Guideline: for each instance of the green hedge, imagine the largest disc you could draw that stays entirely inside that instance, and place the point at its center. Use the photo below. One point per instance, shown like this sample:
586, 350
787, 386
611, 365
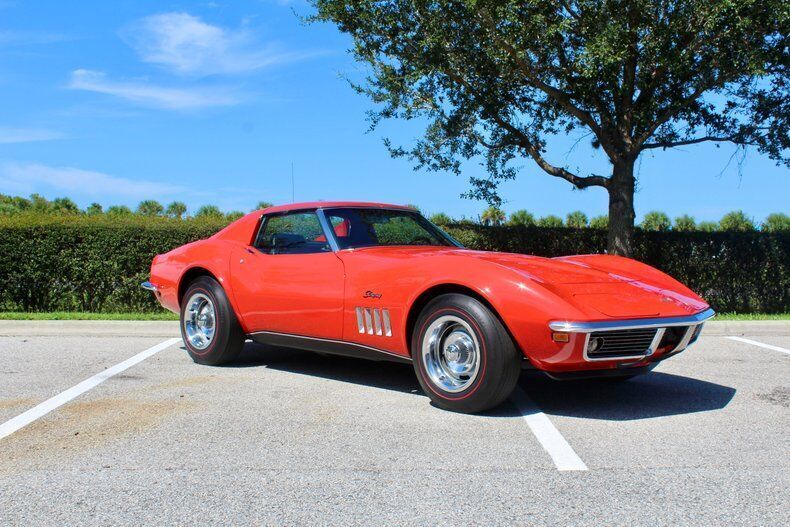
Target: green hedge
85, 264
97, 264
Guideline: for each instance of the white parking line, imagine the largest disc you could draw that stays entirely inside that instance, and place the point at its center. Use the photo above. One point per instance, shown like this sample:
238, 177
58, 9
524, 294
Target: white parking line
24, 419
547, 434
760, 344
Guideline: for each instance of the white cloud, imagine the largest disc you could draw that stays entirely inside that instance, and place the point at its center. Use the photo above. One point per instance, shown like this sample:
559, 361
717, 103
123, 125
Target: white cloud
152, 95
186, 45
27, 135
25, 178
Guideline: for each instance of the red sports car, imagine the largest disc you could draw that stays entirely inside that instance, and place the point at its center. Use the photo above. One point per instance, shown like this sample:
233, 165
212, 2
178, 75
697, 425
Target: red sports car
381, 282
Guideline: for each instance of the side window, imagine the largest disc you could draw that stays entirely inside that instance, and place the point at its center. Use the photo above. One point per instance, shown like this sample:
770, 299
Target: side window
295, 233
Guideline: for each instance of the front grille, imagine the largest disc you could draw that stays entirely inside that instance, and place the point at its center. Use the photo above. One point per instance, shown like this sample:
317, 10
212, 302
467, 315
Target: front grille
620, 343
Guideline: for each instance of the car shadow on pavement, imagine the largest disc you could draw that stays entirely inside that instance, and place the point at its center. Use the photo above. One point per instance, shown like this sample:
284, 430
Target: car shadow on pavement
654, 394
377, 374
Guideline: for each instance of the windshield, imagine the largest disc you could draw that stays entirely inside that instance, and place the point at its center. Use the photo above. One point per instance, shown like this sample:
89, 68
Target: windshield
377, 227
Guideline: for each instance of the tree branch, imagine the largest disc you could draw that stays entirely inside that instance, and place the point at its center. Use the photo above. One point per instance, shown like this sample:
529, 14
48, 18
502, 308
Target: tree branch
670, 111
562, 98
569, 9
685, 142
580, 182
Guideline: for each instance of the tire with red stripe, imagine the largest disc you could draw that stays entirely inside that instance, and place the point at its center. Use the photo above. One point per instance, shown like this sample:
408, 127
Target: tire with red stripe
464, 358
209, 327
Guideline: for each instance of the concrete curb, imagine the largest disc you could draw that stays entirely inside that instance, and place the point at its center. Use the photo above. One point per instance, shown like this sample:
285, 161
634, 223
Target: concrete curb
89, 328
752, 327
125, 328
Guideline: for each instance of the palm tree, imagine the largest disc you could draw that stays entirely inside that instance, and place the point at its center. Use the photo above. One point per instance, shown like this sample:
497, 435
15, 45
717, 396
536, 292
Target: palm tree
94, 209
176, 210
655, 221
550, 221
521, 217
492, 216
209, 211
576, 219
150, 207
440, 218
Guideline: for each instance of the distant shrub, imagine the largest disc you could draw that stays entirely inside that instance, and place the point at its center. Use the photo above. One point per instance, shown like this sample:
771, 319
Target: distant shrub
736, 221
576, 220
776, 222
521, 217
685, 223
550, 221
600, 222
440, 218
655, 221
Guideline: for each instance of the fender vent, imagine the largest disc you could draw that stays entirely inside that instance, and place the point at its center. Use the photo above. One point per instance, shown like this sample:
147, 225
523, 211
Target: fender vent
374, 321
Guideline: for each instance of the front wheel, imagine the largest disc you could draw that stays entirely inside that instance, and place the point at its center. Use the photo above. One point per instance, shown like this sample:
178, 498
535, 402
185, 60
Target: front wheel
211, 333
464, 357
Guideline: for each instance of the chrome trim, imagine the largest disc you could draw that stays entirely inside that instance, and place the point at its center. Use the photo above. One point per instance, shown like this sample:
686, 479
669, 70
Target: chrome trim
200, 321
149, 286
369, 321
566, 326
610, 359
345, 343
385, 313
360, 320
377, 321
329, 232
684, 341
656, 340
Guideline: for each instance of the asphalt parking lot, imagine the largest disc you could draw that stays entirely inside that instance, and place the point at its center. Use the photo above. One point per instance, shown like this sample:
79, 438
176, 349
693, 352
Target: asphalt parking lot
286, 437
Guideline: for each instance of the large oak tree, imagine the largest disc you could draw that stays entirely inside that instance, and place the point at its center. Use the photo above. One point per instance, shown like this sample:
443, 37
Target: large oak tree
495, 79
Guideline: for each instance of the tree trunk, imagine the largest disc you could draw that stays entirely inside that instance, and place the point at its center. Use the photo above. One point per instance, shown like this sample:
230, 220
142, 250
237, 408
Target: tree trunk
621, 209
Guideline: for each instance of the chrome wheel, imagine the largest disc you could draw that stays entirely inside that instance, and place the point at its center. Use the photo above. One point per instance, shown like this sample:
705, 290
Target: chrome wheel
451, 353
199, 321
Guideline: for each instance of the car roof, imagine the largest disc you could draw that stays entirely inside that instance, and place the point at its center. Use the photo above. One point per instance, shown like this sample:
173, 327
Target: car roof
241, 229
331, 205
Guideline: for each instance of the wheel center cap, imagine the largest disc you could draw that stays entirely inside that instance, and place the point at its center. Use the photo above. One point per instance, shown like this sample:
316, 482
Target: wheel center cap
452, 353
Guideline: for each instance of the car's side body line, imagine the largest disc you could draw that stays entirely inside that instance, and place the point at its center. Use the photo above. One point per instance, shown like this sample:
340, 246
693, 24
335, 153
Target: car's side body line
322, 345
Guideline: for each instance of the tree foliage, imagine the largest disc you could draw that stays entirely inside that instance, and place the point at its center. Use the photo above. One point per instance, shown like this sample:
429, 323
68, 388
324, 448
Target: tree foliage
656, 221
495, 79
209, 211
736, 221
776, 222
176, 209
600, 222
521, 217
550, 221
576, 219
150, 207
685, 223
440, 218
492, 216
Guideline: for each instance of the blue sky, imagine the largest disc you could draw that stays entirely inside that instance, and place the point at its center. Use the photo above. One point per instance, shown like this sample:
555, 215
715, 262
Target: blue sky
211, 102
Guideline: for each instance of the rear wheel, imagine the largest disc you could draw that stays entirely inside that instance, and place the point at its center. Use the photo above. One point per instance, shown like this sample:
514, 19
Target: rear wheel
209, 327
464, 358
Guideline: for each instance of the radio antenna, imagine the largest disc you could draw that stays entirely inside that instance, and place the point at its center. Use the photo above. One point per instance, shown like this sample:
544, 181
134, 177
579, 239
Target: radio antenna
293, 199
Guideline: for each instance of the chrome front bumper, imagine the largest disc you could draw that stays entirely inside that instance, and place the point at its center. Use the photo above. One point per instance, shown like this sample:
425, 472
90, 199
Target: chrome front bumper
618, 329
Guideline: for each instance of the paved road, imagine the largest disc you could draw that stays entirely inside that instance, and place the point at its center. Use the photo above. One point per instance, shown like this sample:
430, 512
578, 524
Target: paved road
286, 437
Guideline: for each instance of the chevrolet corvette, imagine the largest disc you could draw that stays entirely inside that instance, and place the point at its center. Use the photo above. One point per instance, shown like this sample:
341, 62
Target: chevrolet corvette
381, 282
